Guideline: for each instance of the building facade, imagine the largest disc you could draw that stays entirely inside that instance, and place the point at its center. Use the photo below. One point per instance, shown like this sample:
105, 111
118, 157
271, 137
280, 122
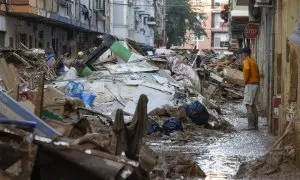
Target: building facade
238, 19
277, 51
64, 25
215, 27
133, 19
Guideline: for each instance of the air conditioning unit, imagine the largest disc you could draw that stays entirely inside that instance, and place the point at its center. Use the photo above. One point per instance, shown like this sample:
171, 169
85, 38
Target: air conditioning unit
263, 3
224, 44
151, 21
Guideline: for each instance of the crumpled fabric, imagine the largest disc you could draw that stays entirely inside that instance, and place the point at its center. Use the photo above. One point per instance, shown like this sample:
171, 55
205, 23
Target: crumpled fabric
181, 69
120, 132
137, 129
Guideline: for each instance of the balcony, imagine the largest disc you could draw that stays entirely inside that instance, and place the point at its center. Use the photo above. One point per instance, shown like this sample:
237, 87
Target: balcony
220, 48
26, 8
218, 6
47, 11
151, 21
22, 2
242, 2
222, 27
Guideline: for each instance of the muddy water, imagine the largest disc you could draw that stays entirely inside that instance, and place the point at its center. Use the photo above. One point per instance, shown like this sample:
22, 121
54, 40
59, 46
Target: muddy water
220, 154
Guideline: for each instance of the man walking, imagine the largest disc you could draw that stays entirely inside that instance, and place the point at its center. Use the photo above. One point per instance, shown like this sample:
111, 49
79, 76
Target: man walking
251, 78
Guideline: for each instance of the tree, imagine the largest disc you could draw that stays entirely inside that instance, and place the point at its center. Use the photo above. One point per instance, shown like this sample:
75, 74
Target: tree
180, 19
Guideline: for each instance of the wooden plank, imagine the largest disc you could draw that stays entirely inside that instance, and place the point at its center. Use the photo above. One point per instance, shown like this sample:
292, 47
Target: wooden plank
6, 74
14, 73
16, 77
24, 47
13, 110
216, 77
4, 78
40, 95
20, 59
15, 93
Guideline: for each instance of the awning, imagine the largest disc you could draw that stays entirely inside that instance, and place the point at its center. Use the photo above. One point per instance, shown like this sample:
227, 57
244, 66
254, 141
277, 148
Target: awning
239, 13
242, 2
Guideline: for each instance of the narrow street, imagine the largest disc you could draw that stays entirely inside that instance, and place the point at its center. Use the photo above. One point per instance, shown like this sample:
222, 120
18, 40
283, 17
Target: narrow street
219, 154
149, 89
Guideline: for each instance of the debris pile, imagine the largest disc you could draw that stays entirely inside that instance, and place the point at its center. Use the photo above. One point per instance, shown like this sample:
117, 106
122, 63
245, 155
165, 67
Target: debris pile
26, 63
222, 76
278, 164
92, 112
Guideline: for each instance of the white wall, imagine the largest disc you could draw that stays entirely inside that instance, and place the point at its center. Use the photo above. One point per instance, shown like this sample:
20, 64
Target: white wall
129, 22
119, 18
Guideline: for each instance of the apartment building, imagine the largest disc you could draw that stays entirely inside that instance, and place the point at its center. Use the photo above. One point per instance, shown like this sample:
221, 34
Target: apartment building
133, 19
215, 27
64, 25
238, 19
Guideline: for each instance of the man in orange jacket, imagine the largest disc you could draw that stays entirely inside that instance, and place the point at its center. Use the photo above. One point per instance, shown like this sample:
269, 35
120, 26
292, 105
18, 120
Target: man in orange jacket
252, 79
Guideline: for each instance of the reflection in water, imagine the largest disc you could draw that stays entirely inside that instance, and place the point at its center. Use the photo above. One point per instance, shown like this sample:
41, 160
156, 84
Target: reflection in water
219, 155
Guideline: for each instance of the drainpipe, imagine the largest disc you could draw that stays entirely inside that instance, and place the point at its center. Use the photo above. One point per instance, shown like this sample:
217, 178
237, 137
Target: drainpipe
90, 16
164, 20
271, 64
6, 8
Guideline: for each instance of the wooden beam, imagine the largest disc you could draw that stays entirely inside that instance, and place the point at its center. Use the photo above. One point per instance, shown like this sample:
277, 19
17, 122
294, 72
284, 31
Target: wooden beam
40, 95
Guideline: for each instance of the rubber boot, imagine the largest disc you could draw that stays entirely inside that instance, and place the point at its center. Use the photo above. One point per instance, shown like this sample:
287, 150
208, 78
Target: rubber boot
251, 117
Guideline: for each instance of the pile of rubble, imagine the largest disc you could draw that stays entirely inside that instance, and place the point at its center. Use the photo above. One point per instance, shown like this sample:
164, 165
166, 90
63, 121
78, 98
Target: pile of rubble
221, 74
277, 164
92, 115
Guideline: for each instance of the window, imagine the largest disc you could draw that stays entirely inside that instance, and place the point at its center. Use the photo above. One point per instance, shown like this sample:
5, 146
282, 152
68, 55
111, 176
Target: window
69, 9
217, 42
30, 42
41, 45
217, 4
41, 34
23, 39
217, 20
99, 4
195, 38
11, 42
119, 13
220, 39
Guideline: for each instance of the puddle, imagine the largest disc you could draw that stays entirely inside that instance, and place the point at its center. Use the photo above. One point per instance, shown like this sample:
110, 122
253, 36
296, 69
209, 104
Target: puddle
219, 155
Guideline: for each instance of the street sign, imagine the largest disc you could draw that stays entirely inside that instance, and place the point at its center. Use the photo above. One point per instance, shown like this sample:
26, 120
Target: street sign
251, 30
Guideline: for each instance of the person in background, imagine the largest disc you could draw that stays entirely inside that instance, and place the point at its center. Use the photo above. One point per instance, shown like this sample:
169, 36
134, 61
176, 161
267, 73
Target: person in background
252, 79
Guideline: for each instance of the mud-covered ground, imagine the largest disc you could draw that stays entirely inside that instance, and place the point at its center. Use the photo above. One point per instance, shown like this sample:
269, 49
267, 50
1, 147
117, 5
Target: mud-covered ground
218, 154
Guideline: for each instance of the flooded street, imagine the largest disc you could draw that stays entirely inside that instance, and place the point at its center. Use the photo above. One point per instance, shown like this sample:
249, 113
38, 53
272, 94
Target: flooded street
218, 154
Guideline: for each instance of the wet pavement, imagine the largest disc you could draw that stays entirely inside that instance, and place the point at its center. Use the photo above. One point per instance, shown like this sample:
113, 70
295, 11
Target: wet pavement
220, 154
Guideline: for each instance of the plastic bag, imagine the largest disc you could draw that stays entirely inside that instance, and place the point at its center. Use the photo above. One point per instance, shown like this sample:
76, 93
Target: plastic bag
71, 74
171, 125
74, 89
152, 127
197, 112
87, 98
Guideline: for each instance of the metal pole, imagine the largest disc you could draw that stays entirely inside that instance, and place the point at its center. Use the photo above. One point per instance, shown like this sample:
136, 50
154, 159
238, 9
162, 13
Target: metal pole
164, 20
